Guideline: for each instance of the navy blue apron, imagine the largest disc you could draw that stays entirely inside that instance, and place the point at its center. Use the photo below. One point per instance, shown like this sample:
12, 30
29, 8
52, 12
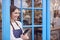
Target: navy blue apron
17, 33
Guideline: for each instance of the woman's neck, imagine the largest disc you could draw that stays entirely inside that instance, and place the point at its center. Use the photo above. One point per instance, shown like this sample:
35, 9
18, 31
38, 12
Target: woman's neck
12, 20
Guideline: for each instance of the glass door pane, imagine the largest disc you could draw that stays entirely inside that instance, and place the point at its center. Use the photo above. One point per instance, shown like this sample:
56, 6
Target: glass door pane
38, 3
27, 17
38, 17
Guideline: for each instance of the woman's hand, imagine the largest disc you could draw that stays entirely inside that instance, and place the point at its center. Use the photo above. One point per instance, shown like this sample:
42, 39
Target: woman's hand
24, 37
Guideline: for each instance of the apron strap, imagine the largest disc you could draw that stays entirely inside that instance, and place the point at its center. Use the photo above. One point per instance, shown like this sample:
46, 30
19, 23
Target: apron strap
16, 24
12, 26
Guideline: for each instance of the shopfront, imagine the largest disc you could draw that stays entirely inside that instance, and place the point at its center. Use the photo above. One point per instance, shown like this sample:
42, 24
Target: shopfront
34, 14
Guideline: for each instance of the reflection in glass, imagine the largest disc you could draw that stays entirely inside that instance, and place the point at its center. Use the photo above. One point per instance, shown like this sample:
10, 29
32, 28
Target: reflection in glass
27, 17
26, 3
37, 33
38, 3
23, 4
29, 33
38, 17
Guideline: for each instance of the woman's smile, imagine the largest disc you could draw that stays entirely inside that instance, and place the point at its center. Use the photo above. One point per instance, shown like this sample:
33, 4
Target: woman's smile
15, 14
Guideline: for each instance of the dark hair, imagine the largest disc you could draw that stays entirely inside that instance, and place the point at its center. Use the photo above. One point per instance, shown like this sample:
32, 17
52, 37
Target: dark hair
12, 9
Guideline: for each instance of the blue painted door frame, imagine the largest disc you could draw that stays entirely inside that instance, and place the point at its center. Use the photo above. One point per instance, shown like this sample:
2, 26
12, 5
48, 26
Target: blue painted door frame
45, 17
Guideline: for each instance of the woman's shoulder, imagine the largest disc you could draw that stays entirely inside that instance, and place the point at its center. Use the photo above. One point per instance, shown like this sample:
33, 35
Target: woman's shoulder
18, 22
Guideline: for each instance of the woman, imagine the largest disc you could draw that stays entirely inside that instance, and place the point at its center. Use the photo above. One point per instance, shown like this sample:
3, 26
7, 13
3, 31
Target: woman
16, 31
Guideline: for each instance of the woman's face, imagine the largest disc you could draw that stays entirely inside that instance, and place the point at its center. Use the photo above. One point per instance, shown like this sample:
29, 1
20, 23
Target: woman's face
15, 14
